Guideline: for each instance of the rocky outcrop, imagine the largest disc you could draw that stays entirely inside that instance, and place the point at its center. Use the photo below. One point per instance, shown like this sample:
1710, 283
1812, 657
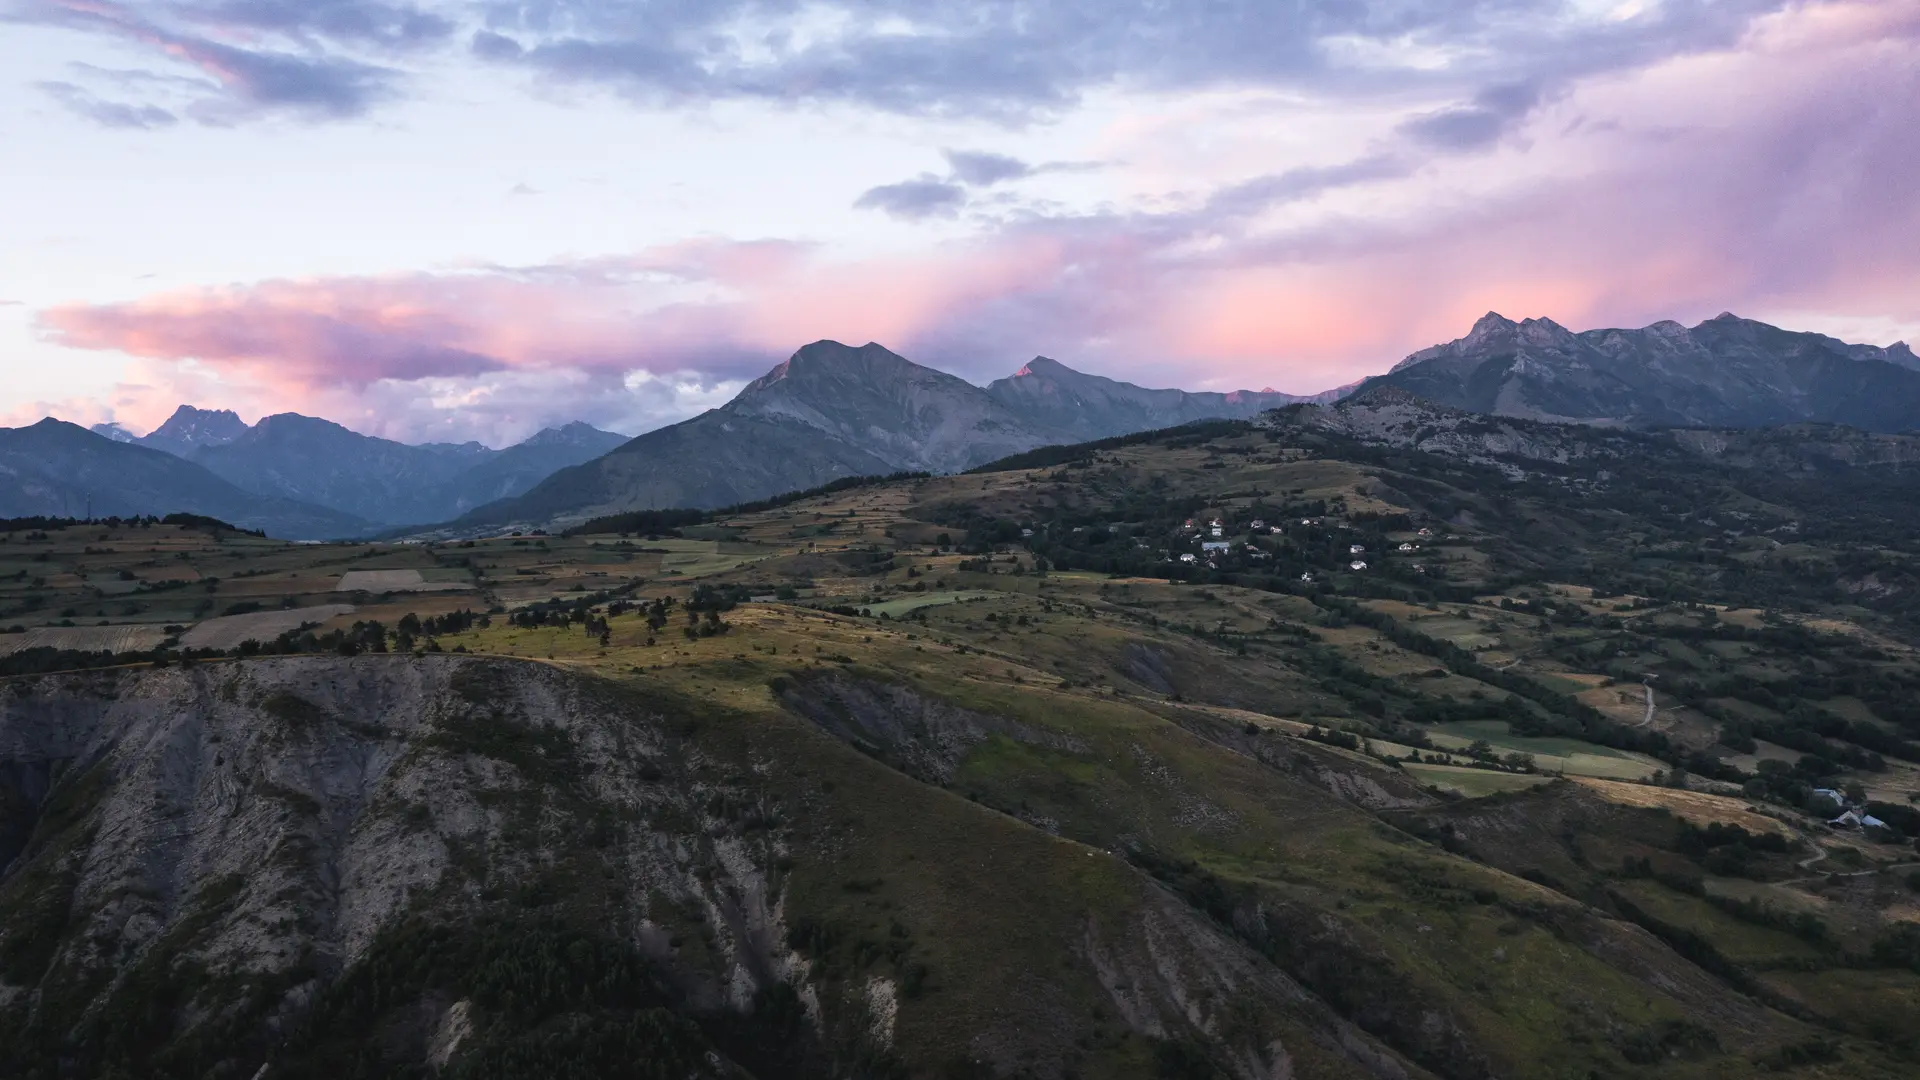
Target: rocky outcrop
922, 736
224, 843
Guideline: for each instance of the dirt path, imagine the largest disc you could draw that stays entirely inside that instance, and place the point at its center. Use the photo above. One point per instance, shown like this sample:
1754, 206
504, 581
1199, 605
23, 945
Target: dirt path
1820, 854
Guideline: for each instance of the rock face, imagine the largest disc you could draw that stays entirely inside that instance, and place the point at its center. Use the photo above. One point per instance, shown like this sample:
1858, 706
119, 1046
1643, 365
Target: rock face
223, 844
1078, 407
57, 469
1836, 458
190, 429
1725, 372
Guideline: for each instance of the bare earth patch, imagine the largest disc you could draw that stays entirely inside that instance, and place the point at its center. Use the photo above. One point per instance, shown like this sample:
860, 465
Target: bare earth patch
116, 639
228, 631
376, 581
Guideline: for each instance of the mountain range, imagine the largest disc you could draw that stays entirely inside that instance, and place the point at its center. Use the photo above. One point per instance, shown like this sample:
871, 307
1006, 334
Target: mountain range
57, 469
365, 484
1725, 372
834, 410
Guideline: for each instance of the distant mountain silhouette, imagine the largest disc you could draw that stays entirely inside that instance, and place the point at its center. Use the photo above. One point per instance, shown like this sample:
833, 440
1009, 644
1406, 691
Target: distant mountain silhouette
1074, 406
317, 461
1725, 372
834, 410
58, 469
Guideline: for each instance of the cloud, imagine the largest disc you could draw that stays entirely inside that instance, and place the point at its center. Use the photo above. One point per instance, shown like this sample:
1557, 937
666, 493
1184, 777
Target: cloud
928, 196
107, 113
1493, 113
1011, 61
397, 27
981, 169
253, 59
1017, 60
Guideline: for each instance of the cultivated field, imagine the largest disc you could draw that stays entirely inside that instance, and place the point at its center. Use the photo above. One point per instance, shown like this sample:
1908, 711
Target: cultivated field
85, 639
229, 631
379, 581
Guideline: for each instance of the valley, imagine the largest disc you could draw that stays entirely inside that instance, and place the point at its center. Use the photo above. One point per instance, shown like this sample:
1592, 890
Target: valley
975, 775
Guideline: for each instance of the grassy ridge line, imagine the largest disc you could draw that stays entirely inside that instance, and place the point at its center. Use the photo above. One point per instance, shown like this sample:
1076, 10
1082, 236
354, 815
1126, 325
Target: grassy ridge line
663, 520
1061, 453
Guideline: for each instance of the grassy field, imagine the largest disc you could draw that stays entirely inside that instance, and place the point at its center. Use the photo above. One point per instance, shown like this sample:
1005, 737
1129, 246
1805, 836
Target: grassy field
1472, 782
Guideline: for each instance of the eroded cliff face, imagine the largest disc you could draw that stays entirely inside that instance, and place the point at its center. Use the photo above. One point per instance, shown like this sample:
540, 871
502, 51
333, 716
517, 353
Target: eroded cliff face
416, 866
219, 843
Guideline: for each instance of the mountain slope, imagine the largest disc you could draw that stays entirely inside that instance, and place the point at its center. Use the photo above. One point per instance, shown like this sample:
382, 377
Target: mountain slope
515, 470
833, 411
58, 469
829, 412
913, 417
391, 866
1725, 372
1077, 407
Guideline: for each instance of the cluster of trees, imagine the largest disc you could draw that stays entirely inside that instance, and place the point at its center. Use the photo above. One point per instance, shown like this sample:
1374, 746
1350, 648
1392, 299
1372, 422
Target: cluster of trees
44, 525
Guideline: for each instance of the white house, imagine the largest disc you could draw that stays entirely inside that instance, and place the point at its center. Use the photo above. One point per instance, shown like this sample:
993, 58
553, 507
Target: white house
1258, 524
1357, 565
1216, 530
1356, 549
1187, 557
1306, 577
1426, 532
1406, 547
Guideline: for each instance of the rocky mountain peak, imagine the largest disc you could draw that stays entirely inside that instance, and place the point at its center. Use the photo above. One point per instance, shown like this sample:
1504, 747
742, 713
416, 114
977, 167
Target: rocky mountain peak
573, 434
1490, 324
194, 427
1044, 366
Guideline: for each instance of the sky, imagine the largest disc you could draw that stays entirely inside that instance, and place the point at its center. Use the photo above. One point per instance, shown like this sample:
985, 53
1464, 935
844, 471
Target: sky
471, 219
